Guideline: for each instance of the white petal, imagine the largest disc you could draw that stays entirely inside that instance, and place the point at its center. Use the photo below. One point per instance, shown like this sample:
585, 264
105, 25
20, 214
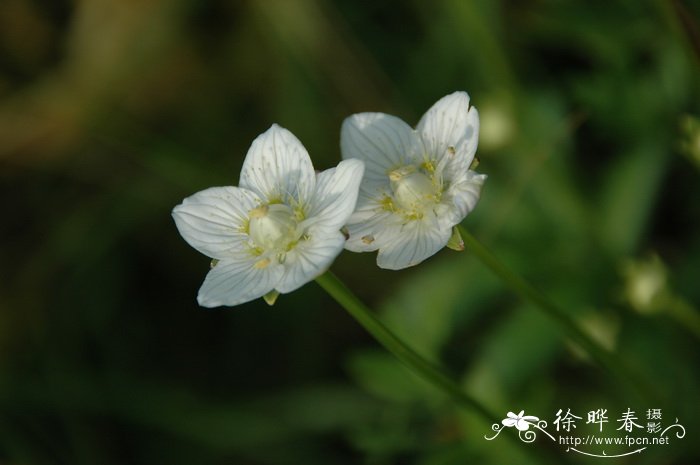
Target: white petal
310, 258
278, 167
336, 194
211, 221
463, 197
383, 142
371, 226
451, 129
236, 281
416, 241
509, 422
373, 194
370, 229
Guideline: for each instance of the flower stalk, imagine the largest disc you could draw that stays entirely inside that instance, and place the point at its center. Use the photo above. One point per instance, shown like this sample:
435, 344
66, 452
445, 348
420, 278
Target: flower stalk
604, 357
409, 357
426, 370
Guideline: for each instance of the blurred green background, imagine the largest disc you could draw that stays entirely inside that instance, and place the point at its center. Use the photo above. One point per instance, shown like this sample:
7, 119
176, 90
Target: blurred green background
113, 111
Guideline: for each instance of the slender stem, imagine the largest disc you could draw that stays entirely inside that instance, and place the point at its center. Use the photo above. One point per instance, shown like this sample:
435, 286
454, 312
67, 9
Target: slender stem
409, 357
684, 313
607, 359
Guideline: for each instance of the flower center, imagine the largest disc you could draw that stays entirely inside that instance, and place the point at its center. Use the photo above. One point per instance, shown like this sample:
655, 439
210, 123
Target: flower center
273, 227
413, 190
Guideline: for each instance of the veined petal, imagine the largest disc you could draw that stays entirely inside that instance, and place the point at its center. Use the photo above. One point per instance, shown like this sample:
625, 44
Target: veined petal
416, 241
371, 225
278, 168
450, 128
373, 194
212, 220
336, 194
383, 142
310, 258
238, 280
463, 197
369, 230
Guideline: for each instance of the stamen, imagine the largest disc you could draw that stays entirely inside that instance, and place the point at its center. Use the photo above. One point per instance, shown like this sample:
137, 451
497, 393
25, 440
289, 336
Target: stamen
400, 173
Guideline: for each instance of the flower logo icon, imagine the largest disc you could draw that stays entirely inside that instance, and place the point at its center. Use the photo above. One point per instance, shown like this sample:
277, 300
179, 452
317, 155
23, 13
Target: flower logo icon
520, 421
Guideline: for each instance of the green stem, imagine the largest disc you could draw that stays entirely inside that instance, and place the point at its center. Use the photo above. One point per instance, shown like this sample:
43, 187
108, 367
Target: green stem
409, 357
607, 359
684, 313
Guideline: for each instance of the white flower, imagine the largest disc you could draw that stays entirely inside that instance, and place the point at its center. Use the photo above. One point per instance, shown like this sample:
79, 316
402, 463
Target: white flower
520, 421
417, 184
276, 231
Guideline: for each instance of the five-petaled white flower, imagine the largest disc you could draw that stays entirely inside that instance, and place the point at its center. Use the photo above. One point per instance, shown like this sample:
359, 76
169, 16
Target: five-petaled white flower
520, 421
277, 230
418, 183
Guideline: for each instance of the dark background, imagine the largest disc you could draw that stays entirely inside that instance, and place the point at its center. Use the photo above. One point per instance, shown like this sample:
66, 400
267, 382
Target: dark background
113, 111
